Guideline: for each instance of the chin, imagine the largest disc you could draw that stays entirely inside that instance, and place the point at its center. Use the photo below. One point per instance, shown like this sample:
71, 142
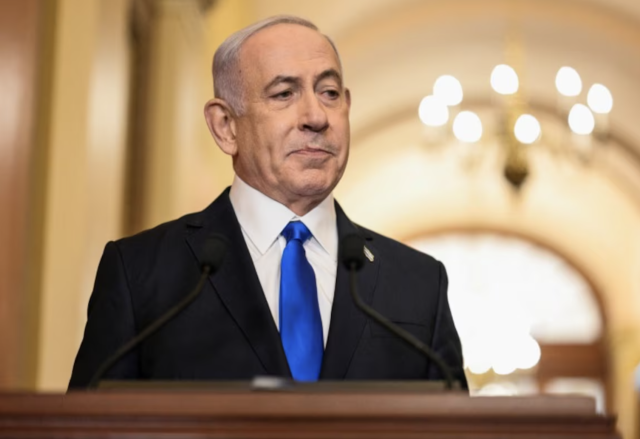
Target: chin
314, 185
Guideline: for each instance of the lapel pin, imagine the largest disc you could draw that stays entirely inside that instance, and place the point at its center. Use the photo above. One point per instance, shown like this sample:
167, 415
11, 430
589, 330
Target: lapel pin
368, 254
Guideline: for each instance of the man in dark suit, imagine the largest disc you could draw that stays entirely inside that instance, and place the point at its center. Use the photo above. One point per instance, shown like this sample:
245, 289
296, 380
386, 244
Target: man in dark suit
280, 303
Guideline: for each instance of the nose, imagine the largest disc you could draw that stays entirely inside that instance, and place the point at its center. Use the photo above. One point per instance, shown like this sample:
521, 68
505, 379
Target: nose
313, 114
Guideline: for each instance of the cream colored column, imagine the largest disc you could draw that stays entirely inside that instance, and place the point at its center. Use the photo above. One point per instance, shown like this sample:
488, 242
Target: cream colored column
625, 357
83, 185
176, 174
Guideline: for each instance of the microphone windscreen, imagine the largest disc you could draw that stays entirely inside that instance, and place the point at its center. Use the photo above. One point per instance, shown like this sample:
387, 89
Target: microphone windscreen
214, 249
352, 248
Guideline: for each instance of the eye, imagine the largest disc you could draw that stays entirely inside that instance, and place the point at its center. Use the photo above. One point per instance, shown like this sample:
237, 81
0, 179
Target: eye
331, 94
283, 95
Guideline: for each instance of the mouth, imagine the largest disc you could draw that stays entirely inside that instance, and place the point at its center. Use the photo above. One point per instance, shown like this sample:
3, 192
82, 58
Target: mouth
312, 152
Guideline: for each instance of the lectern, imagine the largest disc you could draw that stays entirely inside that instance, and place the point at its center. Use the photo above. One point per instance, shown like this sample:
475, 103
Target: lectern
232, 412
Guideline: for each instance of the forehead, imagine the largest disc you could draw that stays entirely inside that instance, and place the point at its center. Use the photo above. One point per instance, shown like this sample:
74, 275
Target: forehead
289, 49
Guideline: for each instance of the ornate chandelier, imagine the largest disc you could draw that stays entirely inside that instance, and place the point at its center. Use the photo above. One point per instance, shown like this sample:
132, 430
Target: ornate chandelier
515, 128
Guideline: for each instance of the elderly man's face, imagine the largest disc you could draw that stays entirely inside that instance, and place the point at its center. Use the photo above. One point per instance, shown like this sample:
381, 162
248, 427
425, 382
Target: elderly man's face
293, 136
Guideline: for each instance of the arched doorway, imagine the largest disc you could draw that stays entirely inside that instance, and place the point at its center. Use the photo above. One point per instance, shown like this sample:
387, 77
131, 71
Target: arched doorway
529, 321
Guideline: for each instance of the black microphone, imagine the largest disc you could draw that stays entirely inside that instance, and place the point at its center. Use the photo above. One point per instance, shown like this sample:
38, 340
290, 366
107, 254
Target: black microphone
213, 252
352, 247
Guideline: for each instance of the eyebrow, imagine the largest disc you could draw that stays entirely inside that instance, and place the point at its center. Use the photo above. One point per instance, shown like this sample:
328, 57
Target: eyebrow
280, 79
329, 73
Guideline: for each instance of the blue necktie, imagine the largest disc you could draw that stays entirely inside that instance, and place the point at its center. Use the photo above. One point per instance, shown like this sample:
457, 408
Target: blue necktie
300, 323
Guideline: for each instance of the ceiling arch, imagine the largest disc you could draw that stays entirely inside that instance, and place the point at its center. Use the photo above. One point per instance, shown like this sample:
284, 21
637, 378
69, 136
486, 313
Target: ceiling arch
592, 16
340, 19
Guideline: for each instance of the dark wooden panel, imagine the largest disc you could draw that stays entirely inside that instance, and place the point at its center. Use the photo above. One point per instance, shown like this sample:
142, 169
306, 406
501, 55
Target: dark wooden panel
19, 44
573, 360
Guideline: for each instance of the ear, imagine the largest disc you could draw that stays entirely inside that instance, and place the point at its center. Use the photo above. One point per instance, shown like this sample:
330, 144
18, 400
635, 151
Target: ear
222, 125
347, 96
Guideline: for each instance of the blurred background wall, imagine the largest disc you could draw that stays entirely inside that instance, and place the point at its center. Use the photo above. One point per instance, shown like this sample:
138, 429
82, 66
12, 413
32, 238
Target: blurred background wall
102, 135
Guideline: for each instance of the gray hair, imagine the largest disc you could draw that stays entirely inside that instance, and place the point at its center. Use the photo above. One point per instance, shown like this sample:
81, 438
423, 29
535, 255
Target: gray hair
227, 82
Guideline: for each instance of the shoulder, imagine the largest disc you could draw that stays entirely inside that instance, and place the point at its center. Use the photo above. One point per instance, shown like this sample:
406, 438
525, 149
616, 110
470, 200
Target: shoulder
156, 238
166, 244
162, 231
162, 247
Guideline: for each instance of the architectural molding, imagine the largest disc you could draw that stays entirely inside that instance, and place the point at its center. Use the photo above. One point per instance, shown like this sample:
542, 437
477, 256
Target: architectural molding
590, 17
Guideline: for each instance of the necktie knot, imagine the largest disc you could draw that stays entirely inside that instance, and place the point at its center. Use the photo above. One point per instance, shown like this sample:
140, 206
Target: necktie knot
296, 230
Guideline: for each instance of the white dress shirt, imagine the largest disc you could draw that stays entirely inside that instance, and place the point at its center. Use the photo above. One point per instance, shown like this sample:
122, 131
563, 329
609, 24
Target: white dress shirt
262, 219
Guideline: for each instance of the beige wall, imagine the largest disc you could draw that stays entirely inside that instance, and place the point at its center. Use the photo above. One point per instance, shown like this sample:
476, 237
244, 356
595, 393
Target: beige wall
173, 118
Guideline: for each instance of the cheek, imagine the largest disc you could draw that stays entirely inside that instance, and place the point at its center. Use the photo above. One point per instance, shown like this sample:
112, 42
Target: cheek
341, 123
272, 132
259, 140
343, 136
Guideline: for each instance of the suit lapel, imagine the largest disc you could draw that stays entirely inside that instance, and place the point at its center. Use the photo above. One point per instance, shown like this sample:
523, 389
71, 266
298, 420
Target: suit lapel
238, 286
347, 321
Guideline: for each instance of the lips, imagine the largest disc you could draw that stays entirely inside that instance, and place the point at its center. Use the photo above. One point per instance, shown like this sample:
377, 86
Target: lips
312, 151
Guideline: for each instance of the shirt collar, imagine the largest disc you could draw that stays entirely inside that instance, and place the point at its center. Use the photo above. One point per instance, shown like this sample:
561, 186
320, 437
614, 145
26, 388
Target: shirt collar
263, 218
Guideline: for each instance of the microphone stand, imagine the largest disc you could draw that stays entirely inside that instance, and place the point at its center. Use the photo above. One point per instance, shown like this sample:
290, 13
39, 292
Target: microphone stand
401, 333
146, 332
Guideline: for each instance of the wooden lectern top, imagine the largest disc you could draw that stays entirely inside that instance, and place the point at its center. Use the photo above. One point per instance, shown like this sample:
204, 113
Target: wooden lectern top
340, 414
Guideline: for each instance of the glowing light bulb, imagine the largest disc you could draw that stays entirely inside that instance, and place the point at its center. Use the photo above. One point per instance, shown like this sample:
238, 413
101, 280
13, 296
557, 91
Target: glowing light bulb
581, 120
600, 99
479, 366
477, 356
527, 129
433, 112
504, 367
467, 127
568, 82
448, 89
504, 79
528, 353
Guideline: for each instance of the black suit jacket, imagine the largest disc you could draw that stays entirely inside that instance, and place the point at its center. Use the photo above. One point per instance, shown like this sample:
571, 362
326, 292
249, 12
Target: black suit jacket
229, 332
